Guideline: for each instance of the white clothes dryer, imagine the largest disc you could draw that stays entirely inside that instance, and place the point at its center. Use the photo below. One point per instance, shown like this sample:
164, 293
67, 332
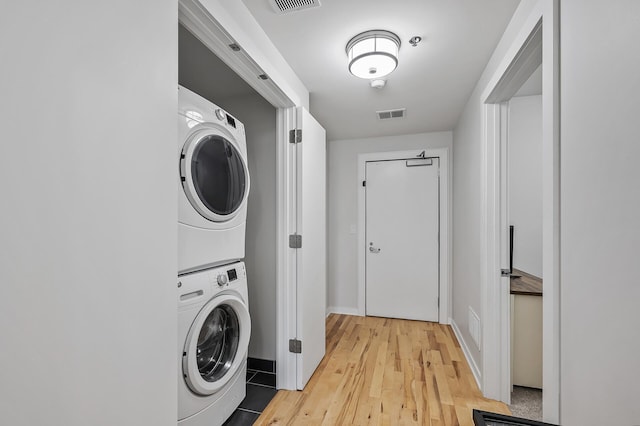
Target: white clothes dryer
213, 338
213, 179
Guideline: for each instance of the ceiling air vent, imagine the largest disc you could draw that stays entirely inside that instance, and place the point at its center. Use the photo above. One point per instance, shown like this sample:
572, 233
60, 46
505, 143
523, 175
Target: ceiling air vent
391, 113
286, 6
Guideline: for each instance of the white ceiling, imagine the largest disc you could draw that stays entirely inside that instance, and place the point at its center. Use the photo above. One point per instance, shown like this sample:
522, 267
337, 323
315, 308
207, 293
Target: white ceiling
433, 80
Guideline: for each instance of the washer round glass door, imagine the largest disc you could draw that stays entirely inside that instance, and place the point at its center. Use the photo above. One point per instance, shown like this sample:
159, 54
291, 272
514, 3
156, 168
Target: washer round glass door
216, 345
214, 175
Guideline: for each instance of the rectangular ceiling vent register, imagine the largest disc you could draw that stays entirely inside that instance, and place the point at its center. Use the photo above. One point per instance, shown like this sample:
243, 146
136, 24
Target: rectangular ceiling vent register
391, 113
287, 6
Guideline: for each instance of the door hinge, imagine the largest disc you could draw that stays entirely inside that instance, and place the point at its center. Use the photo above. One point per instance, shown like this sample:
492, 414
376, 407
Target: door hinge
295, 241
364, 183
295, 346
295, 136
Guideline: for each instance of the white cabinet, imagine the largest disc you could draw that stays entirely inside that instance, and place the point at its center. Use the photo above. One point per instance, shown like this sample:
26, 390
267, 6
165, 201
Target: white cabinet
526, 334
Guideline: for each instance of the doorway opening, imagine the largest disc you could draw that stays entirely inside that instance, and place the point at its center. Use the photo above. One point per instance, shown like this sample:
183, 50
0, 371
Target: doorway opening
205, 74
292, 323
524, 219
525, 56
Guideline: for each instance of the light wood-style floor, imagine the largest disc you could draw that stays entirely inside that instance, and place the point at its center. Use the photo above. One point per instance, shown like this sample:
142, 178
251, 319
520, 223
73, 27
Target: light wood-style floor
381, 371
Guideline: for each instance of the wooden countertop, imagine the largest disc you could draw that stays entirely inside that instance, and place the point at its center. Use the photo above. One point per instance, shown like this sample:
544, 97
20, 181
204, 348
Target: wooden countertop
525, 284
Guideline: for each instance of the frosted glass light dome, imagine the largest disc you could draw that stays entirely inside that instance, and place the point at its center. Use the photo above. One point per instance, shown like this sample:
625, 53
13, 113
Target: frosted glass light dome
373, 54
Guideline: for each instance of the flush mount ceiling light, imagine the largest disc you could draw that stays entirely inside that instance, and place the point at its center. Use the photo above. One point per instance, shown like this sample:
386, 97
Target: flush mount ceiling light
373, 54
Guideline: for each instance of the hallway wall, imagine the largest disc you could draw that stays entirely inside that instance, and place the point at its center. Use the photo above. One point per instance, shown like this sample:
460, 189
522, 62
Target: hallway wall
600, 207
88, 313
467, 190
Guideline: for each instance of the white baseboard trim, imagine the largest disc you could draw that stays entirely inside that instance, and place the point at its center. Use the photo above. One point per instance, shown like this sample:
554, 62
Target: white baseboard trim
342, 310
467, 354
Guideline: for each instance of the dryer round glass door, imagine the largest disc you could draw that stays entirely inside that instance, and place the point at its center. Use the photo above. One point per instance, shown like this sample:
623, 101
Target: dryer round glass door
216, 345
214, 175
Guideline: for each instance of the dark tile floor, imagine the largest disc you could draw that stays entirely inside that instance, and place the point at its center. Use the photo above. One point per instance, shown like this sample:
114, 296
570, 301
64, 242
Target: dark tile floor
261, 388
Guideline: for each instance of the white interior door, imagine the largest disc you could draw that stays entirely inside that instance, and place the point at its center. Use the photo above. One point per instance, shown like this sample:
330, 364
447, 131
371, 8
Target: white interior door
311, 257
402, 238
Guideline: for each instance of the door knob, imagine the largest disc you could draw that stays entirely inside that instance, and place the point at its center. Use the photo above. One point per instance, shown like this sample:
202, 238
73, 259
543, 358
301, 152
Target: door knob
374, 249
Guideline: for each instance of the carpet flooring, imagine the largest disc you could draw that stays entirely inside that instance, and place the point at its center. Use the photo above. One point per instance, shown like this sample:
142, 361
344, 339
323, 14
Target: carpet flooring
526, 403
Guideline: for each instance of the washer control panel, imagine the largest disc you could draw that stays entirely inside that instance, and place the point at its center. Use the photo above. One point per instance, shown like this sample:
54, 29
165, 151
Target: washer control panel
233, 275
222, 280
229, 275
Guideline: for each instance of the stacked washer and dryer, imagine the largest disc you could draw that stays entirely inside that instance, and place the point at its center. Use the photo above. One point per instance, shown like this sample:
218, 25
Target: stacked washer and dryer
213, 315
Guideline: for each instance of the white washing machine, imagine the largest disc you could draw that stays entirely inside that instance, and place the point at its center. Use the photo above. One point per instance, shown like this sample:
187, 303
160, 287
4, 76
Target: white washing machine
213, 178
213, 338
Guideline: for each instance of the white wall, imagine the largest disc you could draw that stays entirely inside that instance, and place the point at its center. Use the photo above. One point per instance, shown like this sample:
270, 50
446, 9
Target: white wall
525, 182
88, 218
467, 185
259, 118
600, 205
342, 200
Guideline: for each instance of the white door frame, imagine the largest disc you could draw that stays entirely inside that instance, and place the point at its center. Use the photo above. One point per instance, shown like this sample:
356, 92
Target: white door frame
286, 272
537, 40
444, 310
197, 19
